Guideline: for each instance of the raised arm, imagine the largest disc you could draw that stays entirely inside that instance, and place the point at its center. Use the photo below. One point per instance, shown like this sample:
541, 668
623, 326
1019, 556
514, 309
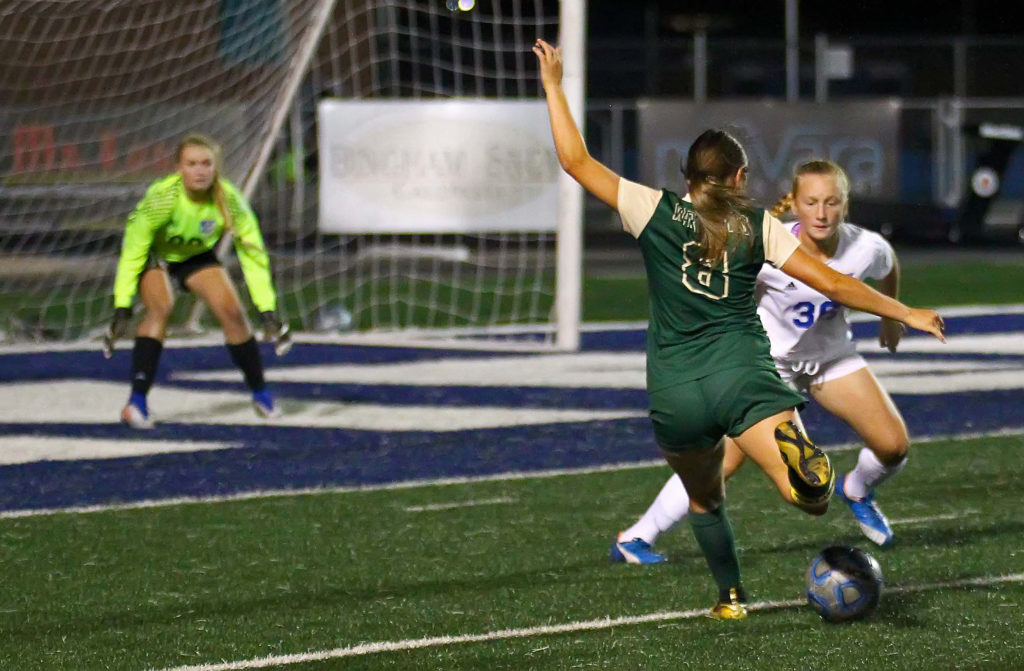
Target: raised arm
859, 296
572, 152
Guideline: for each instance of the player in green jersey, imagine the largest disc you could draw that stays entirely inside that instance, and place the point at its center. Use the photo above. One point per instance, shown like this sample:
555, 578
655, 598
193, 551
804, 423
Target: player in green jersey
815, 354
709, 369
171, 235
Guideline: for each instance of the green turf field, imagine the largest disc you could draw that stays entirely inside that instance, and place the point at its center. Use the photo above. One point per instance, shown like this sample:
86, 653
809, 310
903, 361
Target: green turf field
925, 283
75, 311
520, 564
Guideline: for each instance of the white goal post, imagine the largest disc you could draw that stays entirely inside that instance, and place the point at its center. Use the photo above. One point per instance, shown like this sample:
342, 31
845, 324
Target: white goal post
569, 291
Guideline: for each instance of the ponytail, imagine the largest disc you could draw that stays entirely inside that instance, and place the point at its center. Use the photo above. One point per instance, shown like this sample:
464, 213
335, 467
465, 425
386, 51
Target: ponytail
784, 204
713, 160
221, 201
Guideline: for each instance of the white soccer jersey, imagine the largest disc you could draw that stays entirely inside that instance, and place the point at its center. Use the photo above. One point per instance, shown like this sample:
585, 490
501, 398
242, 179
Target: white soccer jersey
804, 325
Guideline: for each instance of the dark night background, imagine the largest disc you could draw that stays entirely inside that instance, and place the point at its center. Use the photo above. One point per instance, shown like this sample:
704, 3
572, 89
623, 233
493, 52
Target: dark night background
916, 52
743, 18
901, 49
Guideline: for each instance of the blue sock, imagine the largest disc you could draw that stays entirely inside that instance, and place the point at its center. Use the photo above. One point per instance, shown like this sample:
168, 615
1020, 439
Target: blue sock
138, 399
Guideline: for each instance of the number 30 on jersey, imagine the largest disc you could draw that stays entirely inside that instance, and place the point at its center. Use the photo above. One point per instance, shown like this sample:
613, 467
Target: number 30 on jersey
807, 313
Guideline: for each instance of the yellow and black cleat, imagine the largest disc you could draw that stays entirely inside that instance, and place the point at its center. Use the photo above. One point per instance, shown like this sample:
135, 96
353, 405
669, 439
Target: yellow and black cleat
810, 473
729, 609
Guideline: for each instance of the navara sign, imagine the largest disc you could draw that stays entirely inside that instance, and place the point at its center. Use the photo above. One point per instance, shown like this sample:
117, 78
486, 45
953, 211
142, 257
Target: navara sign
445, 166
862, 137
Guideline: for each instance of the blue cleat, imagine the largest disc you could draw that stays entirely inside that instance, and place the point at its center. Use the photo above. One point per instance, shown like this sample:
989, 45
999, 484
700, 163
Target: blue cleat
870, 518
136, 417
263, 404
636, 551
136, 414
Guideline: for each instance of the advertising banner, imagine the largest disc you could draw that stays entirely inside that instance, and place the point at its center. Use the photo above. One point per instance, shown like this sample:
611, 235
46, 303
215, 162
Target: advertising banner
114, 144
436, 166
862, 137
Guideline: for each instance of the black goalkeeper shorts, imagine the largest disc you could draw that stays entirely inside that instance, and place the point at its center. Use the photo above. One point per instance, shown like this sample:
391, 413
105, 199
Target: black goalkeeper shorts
180, 271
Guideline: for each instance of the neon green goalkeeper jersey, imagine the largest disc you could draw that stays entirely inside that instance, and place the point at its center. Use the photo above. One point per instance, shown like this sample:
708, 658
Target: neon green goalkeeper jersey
169, 225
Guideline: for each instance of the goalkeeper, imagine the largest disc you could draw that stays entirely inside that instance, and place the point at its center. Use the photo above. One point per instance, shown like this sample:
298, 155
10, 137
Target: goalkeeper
171, 236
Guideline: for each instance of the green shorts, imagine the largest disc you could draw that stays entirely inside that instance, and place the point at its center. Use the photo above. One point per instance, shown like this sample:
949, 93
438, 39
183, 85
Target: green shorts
696, 414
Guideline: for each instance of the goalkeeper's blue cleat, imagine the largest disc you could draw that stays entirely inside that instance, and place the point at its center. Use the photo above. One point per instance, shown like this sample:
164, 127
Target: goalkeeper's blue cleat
136, 414
263, 404
636, 551
872, 521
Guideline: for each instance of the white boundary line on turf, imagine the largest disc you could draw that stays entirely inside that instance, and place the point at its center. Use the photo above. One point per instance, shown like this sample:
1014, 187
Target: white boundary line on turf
392, 340
316, 491
362, 649
459, 504
932, 518
412, 484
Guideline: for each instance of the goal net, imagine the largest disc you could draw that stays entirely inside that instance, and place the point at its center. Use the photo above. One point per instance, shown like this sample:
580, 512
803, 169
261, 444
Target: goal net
95, 94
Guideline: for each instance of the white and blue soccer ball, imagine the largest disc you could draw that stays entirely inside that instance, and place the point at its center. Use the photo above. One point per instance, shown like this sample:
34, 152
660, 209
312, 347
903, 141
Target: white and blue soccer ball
333, 317
843, 584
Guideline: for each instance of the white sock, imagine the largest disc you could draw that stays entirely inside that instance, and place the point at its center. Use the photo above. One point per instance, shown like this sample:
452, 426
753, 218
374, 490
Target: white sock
669, 507
869, 473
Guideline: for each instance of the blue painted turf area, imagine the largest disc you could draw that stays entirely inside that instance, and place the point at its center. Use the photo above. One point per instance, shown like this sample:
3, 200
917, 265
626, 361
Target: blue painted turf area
281, 457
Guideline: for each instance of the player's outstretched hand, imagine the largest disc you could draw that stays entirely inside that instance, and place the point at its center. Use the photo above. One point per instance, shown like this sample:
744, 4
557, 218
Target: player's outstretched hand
889, 333
117, 330
276, 332
550, 59
928, 321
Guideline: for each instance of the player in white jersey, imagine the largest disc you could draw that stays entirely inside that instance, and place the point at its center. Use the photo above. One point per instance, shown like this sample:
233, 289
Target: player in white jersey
814, 352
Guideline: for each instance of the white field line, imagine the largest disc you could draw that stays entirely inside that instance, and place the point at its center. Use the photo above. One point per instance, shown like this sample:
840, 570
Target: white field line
458, 504
933, 518
412, 484
35, 401
316, 491
27, 449
216, 339
547, 630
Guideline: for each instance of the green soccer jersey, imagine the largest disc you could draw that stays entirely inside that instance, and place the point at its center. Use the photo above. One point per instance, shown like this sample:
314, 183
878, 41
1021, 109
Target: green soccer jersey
703, 319
169, 225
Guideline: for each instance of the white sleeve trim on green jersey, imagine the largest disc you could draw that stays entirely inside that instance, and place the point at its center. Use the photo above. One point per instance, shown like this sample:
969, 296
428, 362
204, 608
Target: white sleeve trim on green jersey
636, 206
779, 242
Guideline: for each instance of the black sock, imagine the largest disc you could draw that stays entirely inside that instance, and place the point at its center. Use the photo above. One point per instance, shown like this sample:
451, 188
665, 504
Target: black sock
715, 538
145, 357
247, 357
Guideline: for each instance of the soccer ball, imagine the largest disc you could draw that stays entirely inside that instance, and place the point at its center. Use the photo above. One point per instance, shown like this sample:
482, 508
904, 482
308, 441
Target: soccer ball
843, 584
332, 317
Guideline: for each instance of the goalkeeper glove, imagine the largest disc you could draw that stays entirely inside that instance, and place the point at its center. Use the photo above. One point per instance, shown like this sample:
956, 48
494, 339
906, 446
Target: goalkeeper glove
276, 332
117, 329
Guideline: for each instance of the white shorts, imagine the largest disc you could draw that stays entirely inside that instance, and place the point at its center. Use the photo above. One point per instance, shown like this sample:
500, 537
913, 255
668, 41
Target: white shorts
801, 375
